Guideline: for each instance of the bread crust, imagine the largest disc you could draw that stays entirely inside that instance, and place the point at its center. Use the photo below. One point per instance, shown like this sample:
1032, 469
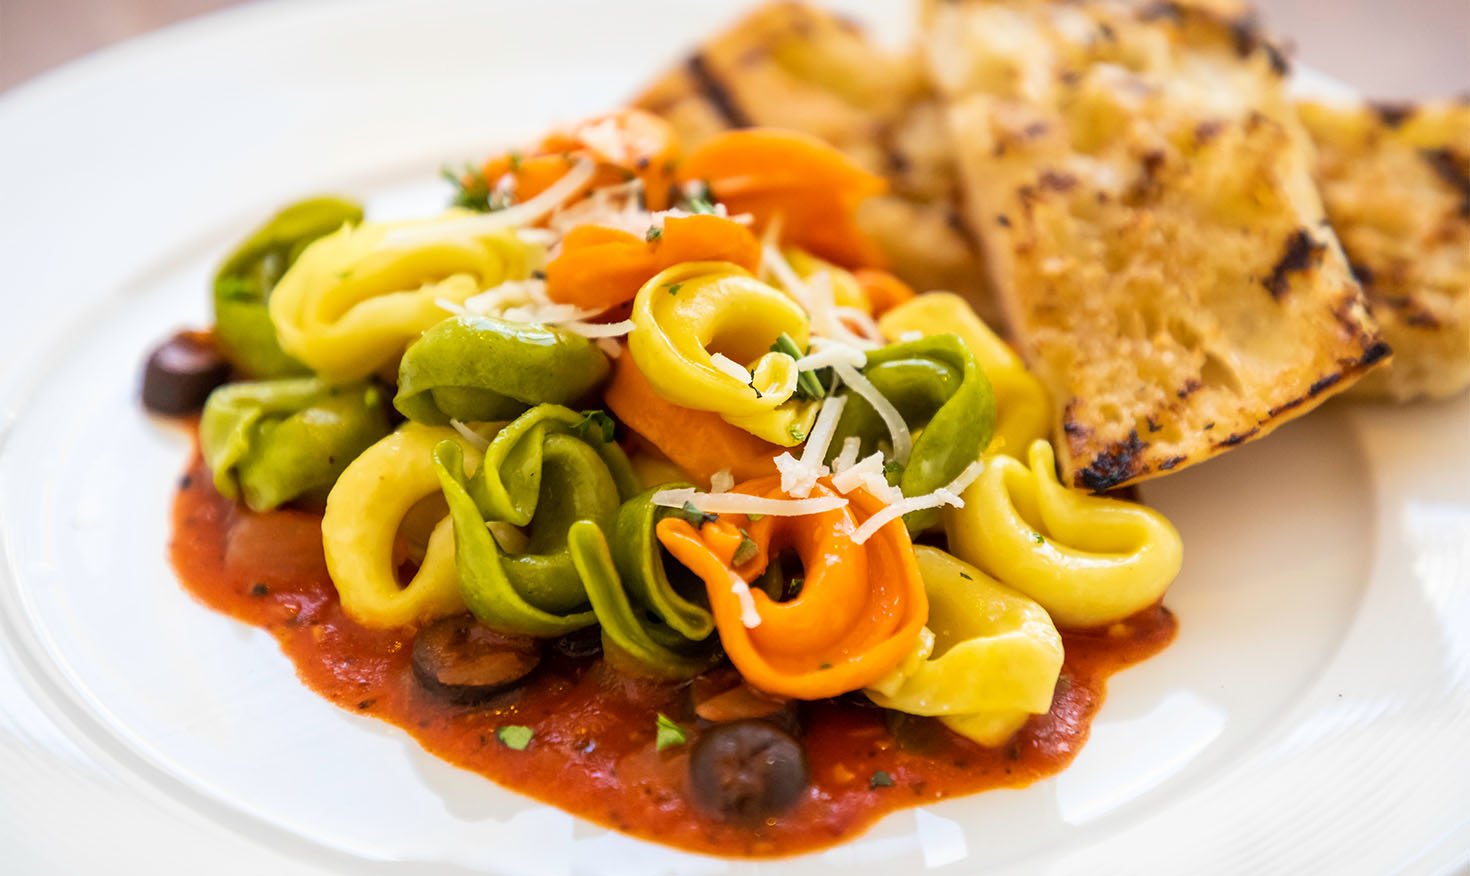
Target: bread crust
1396, 182
1143, 190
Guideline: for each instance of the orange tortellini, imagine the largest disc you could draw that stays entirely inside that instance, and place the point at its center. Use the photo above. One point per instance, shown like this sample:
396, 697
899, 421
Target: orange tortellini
1088, 560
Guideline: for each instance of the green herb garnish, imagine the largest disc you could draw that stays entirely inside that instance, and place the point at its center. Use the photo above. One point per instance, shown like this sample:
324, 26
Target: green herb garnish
653, 233
669, 733
595, 423
514, 736
892, 470
674, 288
695, 517
809, 386
471, 189
1038, 538
747, 550
880, 779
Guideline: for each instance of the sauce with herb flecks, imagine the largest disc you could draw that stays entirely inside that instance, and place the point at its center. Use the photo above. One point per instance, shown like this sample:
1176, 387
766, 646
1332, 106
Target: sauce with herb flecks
591, 750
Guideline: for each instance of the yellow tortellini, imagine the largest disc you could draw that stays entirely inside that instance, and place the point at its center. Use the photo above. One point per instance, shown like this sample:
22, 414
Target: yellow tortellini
356, 298
364, 511
988, 659
1023, 410
1088, 560
689, 314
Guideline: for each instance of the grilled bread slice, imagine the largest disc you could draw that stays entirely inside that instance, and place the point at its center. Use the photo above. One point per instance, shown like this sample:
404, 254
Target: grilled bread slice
1396, 181
1143, 188
794, 66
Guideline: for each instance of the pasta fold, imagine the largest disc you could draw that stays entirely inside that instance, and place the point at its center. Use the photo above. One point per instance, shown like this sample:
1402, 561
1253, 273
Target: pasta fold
1088, 560
355, 299
857, 614
243, 284
273, 441
1023, 410
549, 473
364, 513
943, 397
987, 660
687, 315
482, 369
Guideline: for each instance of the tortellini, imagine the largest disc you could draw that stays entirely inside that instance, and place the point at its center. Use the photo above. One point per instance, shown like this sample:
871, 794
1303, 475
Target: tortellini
355, 299
942, 395
546, 471
987, 660
478, 368
1022, 405
1088, 560
364, 513
242, 324
687, 315
274, 441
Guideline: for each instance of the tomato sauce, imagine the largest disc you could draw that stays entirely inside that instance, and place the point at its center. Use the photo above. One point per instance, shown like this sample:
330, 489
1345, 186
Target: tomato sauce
593, 751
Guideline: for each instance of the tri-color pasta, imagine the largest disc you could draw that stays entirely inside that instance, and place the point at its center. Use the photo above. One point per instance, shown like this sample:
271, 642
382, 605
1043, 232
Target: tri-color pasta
683, 410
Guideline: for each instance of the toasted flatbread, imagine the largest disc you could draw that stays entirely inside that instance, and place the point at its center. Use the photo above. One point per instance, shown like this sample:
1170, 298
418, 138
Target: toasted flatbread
1396, 181
1143, 189
793, 66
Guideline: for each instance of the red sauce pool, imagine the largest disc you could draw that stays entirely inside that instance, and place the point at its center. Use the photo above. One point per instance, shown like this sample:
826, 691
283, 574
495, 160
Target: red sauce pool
593, 751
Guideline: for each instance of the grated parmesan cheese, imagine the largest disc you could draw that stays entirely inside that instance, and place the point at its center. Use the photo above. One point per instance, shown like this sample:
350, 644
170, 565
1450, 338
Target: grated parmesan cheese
469, 435
898, 430
721, 481
524, 213
851, 447
800, 476
867, 475
749, 617
743, 503
729, 367
948, 494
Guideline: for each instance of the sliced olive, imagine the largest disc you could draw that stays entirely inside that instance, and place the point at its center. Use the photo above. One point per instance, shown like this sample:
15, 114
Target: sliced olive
181, 373
467, 662
747, 771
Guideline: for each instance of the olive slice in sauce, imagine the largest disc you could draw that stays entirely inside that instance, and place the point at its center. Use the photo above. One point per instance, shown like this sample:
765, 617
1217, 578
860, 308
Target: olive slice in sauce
747, 771
467, 662
181, 373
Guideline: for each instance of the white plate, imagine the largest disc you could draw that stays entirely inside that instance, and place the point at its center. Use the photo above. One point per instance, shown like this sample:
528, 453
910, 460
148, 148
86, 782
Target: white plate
1314, 712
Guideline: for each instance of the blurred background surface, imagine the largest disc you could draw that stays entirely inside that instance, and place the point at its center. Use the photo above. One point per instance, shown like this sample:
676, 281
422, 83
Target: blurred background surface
1388, 48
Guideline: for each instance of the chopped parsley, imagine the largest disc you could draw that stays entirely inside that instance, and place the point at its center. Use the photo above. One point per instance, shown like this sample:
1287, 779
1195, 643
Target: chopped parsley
1038, 538
515, 161
653, 233
892, 470
669, 733
515, 736
797, 433
695, 517
675, 287
747, 550
754, 517
809, 387
966, 576
595, 424
825, 665
880, 779
699, 199
471, 189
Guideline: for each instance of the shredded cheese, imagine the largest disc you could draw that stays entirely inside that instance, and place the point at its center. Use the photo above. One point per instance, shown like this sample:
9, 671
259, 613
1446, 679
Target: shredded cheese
852, 445
800, 476
898, 430
598, 330
524, 213
609, 347
867, 475
729, 367
749, 617
948, 494
828, 353
743, 503
721, 481
469, 435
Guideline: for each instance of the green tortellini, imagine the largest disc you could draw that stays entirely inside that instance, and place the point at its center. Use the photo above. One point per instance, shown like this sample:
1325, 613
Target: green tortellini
944, 397
275, 441
479, 368
1088, 560
356, 298
243, 285
568, 487
988, 658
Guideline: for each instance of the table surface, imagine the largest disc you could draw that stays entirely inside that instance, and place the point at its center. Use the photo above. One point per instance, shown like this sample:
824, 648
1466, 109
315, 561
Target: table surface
1400, 49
